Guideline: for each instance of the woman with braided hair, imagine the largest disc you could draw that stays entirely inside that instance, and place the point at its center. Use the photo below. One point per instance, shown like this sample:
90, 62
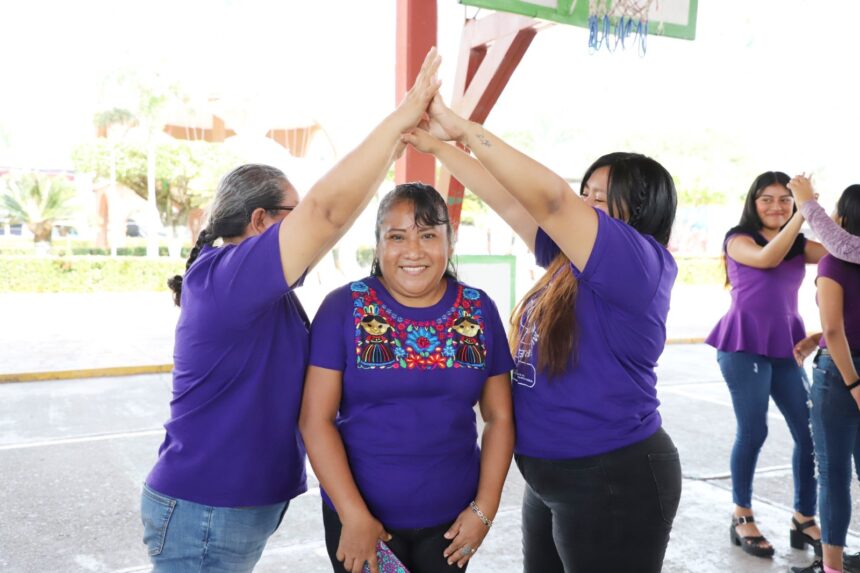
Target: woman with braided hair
603, 479
232, 457
766, 258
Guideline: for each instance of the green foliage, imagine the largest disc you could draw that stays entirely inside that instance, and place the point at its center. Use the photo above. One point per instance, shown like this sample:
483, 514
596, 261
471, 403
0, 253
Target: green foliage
86, 274
700, 271
115, 116
186, 172
37, 200
364, 255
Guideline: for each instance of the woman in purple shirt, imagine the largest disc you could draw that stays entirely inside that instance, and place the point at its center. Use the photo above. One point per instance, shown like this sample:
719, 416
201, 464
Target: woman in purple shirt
232, 457
603, 479
398, 361
765, 264
836, 393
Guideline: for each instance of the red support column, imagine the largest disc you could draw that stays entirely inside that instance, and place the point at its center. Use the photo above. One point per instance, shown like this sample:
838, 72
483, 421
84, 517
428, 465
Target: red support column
490, 50
416, 34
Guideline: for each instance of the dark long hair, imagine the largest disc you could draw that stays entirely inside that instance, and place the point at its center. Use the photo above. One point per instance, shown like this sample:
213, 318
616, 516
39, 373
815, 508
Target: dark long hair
641, 193
848, 208
430, 210
240, 193
751, 223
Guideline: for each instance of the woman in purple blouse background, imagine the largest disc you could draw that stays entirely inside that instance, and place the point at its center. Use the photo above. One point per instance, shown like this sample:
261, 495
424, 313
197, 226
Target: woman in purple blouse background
766, 259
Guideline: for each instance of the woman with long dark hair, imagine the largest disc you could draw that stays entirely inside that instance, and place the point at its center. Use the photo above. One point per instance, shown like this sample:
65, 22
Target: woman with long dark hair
766, 257
836, 392
398, 361
603, 479
232, 458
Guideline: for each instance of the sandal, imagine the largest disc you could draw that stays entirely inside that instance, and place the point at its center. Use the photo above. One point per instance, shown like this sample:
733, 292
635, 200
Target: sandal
816, 567
799, 539
749, 544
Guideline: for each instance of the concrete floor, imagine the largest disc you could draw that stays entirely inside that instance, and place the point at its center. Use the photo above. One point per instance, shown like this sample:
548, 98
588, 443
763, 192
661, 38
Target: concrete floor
73, 455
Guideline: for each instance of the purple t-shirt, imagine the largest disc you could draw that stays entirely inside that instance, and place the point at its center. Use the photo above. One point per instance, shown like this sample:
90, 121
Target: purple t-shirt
763, 317
848, 277
411, 379
608, 398
239, 362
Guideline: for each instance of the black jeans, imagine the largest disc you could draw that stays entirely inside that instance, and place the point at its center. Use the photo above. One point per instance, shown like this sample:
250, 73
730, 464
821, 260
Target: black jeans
611, 512
420, 550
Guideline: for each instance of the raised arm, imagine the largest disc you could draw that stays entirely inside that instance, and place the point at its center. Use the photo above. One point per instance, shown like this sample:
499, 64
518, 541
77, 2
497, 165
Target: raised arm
546, 196
328, 457
838, 242
477, 179
744, 249
330, 206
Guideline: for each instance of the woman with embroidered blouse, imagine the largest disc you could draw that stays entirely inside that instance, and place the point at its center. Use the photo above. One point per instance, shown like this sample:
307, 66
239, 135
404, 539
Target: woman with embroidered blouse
398, 361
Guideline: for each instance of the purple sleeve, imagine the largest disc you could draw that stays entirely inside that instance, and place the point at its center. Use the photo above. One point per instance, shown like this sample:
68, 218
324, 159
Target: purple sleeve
832, 268
838, 242
499, 360
545, 249
625, 267
327, 331
249, 277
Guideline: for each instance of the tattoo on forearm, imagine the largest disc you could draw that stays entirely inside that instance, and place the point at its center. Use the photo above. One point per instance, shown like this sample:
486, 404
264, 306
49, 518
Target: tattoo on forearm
484, 141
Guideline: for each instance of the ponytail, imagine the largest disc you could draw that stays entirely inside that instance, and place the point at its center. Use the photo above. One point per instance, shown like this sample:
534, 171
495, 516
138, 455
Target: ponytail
548, 309
175, 282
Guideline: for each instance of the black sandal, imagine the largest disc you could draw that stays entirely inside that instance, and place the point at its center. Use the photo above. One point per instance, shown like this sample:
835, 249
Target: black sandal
816, 567
799, 539
749, 544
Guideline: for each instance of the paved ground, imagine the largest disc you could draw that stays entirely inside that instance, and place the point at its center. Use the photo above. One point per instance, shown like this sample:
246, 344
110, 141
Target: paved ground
72, 331
73, 454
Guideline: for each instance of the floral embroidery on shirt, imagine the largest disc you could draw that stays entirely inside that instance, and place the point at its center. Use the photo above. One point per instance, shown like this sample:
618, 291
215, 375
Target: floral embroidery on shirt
384, 339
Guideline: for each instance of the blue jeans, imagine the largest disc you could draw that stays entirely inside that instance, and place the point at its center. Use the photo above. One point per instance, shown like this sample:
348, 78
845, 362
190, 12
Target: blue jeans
836, 433
752, 379
183, 536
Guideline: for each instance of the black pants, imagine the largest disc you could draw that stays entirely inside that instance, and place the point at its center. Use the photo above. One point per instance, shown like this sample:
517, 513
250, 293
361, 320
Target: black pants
420, 550
611, 512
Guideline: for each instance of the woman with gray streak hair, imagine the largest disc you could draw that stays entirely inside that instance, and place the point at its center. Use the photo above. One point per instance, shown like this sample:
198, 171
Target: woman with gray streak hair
232, 458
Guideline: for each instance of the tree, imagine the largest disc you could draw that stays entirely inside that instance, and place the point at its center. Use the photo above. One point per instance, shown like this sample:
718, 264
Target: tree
186, 174
38, 200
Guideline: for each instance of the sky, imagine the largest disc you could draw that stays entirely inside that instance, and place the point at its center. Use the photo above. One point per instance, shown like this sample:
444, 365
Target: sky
771, 81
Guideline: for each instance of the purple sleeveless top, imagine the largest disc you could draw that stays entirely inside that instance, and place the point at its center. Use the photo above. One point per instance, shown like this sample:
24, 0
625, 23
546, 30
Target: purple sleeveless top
763, 317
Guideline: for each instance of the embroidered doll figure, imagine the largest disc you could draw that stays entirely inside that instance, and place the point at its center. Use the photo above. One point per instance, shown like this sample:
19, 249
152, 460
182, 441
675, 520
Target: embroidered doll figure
470, 352
375, 346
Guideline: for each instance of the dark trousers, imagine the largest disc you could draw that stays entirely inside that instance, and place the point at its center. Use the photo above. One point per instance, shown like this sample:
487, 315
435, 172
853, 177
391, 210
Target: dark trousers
611, 512
420, 550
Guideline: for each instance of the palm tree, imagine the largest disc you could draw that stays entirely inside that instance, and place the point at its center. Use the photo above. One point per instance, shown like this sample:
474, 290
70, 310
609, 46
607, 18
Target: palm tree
38, 200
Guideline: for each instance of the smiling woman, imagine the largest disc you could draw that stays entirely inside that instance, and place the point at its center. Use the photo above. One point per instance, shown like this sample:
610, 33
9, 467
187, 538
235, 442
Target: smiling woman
765, 264
398, 361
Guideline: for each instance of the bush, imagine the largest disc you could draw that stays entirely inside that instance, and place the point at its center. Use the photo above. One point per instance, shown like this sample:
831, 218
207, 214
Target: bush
86, 274
700, 271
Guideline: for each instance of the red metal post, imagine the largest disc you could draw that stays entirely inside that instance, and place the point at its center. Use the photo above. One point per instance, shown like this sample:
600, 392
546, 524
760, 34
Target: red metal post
416, 34
490, 50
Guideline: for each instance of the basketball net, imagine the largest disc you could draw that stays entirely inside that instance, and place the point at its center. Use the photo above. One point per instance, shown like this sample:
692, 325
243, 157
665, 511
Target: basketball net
614, 23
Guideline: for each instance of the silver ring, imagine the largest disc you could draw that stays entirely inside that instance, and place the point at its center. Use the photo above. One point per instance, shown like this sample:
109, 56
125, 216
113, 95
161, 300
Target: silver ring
467, 550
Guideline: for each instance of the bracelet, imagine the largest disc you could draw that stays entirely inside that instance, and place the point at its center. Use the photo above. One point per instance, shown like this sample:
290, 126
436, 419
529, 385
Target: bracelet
484, 519
854, 385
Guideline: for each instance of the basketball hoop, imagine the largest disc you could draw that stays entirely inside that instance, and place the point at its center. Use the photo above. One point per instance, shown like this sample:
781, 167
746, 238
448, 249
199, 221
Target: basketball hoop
618, 22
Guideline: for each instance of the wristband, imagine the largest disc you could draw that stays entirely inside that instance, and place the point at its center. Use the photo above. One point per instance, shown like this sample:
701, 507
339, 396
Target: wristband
484, 519
854, 385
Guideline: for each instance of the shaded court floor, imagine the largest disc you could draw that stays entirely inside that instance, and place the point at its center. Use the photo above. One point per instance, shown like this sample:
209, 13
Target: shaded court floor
73, 455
